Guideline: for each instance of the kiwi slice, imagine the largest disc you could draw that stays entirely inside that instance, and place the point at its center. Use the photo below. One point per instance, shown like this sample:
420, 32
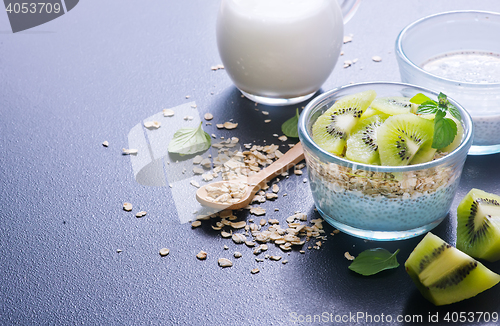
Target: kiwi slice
362, 145
403, 137
444, 274
478, 225
393, 105
332, 128
371, 112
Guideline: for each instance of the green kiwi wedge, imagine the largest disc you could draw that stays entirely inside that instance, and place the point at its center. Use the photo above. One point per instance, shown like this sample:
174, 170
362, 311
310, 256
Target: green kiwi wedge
362, 145
444, 274
393, 105
332, 128
478, 225
405, 139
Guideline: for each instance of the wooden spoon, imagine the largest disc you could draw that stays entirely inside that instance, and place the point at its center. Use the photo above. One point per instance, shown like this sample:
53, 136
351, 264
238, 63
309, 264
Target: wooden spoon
255, 182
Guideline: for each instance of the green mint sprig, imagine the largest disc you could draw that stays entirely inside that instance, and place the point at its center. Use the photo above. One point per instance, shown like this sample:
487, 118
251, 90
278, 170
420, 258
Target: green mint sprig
289, 127
445, 129
188, 141
372, 261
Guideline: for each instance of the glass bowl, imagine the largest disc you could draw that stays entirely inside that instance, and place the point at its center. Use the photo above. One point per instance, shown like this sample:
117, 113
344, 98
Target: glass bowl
458, 53
380, 202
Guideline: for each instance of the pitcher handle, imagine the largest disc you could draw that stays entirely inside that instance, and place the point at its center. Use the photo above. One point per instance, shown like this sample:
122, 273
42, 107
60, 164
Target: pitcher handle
348, 8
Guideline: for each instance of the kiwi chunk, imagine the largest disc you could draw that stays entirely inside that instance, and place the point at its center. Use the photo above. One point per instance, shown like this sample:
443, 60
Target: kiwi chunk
478, 225
362, 145
444, 274
393, 105
332, 128
405, 136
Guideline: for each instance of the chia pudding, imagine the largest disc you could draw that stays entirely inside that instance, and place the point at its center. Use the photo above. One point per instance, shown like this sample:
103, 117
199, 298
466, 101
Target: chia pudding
381, 201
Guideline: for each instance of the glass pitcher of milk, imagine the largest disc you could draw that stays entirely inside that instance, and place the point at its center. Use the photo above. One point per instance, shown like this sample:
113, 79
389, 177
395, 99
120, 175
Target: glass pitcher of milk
280, 52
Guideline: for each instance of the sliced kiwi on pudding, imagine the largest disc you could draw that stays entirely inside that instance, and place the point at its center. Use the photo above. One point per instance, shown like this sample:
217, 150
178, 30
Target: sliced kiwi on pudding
393, 105
362, 145
478, 225
332, 128
403, 137
444, 274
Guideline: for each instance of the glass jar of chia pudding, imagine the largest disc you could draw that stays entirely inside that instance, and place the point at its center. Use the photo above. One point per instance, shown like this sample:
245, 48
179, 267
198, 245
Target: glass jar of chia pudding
381, 202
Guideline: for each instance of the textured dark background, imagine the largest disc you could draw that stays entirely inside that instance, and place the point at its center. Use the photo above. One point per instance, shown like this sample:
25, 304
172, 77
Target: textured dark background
94, 73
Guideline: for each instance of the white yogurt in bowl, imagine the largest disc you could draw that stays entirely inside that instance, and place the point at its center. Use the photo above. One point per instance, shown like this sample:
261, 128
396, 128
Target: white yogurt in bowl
279, 51
458, 53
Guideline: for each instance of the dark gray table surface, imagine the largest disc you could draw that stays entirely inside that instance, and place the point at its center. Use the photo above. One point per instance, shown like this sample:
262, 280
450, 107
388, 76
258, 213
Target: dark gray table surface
92, 75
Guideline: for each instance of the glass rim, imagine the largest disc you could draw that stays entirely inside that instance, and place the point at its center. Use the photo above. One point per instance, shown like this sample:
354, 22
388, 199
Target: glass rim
319, 101
402, 55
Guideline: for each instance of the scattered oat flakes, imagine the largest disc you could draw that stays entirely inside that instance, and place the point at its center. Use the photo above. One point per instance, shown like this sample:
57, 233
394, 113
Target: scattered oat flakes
267, 120
129, 151
275, 258
250, 243
230, 125
347, 63
257, 211
164, 251
224, 262
188, 118
297, 172
283, 138
348, 256
348, 38
168, 112
118, 250
255, 271
285, 262
188, 96
265, 112
198, 170
194, 183
201, 255
226, 247
105, 143
225, 234
207, 176
196, 224
237, 254
238, 238
127, 207
376, 58
275, 188
197, 159
238, 225
141, 214
208, 116
152, 124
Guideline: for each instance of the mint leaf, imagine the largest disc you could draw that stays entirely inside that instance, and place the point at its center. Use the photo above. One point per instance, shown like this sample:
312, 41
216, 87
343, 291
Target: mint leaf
445, 130
289, 127
454, 111
442, 99
372, 261
419, 99
429, 107
189, 141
